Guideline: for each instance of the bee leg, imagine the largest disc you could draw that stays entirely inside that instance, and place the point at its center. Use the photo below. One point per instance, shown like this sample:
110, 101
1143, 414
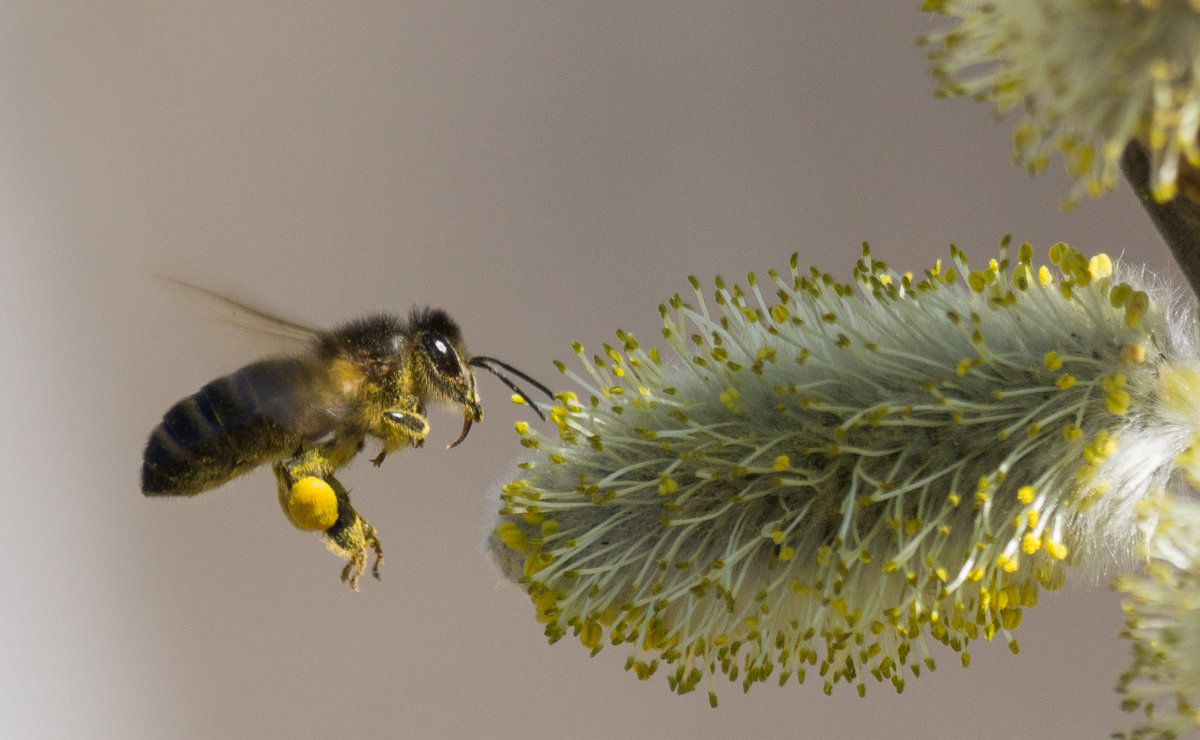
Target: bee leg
307, 491
313, 499
349, 538
360, 539
401, 426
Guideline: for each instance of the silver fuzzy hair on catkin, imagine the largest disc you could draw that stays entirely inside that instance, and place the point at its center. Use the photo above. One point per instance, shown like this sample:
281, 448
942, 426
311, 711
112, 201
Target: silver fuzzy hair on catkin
826, 476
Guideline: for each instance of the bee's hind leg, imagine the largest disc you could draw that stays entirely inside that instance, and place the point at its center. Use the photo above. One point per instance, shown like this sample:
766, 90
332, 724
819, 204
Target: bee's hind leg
314, 500
350, 537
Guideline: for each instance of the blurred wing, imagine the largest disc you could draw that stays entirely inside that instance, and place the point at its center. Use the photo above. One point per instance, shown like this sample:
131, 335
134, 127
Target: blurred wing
242, 316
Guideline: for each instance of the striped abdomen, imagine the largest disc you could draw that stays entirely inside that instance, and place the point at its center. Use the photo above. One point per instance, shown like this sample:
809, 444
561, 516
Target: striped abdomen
261, 412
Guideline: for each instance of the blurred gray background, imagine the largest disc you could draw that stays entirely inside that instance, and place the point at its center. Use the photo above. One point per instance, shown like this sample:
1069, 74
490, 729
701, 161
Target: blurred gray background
544, 171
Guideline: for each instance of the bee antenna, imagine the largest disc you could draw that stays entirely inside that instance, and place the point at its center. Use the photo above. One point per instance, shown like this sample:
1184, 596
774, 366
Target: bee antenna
490, 364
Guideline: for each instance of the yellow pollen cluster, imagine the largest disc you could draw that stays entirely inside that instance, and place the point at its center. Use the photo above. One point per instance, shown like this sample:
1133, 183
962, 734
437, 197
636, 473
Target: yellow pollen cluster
311, 504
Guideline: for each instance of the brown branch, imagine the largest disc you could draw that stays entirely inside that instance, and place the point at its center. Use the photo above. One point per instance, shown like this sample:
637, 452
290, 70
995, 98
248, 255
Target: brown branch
1177, 220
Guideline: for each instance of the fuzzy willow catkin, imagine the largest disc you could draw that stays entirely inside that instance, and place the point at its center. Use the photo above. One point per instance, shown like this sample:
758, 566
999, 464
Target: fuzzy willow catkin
1162, 617
1088, 77
819, 478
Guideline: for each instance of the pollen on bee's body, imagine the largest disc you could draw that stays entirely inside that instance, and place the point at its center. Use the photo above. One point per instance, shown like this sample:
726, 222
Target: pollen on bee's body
949, 446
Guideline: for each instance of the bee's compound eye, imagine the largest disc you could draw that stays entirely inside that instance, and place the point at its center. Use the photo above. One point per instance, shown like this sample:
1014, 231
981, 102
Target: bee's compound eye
443, 356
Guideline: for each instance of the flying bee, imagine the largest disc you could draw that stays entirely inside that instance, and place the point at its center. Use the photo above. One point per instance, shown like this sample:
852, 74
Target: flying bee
310, 413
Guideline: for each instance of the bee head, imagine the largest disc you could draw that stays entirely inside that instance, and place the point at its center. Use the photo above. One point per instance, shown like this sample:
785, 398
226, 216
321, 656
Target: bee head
448, 369
443, 362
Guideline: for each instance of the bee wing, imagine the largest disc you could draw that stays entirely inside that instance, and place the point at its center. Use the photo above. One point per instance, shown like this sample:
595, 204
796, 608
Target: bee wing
243, 316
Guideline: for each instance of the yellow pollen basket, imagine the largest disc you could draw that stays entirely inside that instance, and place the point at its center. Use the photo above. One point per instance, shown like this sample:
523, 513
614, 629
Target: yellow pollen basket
312, 504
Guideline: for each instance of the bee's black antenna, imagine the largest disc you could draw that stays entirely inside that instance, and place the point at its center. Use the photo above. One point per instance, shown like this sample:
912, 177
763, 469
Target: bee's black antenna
490, 363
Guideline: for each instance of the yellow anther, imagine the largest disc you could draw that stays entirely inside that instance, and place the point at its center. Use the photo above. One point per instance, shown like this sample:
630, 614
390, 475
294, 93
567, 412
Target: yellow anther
511, 534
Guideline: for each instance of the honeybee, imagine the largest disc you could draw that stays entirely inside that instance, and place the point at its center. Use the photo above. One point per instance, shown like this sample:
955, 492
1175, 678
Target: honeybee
310, 413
